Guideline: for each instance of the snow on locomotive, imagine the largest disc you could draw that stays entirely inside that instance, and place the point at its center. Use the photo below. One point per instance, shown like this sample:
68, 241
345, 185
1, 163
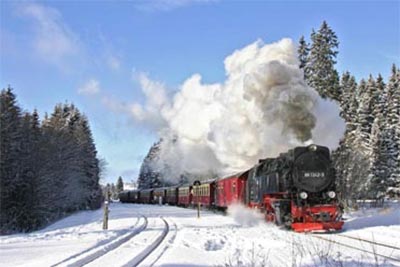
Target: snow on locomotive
296, 190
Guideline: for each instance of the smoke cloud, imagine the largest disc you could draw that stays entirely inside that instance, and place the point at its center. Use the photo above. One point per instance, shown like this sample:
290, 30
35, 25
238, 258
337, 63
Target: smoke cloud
264, 107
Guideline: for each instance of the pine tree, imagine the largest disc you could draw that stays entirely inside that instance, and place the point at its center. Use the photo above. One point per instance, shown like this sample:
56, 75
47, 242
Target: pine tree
348, 87
89, 163
120, 185
27, 198
393, 125
365, 119
150, 176
380, 169
352, 168
47, 170
10, 168
303, 51
349, 105
320, 64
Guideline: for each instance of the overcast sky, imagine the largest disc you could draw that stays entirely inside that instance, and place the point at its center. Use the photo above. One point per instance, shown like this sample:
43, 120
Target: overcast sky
91, 53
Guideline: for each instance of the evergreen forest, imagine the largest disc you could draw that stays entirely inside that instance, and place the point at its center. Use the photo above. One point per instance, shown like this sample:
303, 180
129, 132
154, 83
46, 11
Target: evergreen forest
48, 168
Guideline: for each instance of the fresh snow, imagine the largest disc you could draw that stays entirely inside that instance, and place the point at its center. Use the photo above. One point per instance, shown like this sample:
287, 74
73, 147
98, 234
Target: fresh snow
240, 239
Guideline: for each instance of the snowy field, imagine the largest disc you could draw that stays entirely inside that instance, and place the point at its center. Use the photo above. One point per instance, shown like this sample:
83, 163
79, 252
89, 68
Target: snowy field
145, 235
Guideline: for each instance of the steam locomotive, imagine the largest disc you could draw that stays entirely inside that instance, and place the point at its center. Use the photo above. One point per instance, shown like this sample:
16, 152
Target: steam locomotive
295, 190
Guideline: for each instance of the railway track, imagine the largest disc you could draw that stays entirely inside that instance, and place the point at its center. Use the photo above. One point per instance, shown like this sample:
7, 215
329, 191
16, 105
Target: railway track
135, 250
93, 253
129, 249
147, 251
372, 242
367, 246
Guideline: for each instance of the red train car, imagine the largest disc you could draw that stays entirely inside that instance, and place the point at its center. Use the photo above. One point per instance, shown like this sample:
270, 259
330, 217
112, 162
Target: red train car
185, 195
133, 196
146, 196
230, 190
204, 194
172, 195
160, 195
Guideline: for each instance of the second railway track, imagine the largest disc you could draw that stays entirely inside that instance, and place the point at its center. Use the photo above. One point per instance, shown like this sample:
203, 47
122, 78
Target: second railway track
147, 251
134, 251
364, 245
372, 242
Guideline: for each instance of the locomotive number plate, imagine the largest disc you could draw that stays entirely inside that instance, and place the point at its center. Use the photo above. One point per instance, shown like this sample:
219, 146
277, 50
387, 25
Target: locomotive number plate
313, 174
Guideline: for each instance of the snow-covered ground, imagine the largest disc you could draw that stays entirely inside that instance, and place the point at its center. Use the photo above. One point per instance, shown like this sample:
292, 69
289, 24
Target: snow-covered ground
138, 235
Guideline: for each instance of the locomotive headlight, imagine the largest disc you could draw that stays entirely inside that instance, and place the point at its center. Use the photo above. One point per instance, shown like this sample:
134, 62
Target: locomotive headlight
331, 194
303, 195
313, 148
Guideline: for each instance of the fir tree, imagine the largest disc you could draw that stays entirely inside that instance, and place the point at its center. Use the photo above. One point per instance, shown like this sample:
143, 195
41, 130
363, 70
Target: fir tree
47, 170
393, 121
380, 158
352, 168
150, 176
348, 87
365, 113
303, 51
320, 64
120, 185
10, 167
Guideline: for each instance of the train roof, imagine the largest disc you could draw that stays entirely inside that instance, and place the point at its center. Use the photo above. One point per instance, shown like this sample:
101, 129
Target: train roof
236, 175
208, 181
147, 190
131, 190
185, 185
161, 188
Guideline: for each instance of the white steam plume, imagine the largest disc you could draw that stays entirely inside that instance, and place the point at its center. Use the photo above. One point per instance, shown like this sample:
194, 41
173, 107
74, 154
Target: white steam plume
263, 108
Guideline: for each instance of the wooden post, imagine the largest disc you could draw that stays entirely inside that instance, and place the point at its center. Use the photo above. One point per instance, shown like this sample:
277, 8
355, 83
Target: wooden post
197, 184
105, 217
198, 208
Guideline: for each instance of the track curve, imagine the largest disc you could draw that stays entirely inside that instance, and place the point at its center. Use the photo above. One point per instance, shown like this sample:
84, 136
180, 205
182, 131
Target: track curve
138, 259
90, 255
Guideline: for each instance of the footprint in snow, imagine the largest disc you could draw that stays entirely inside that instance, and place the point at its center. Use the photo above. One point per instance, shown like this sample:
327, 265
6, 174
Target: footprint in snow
213, 245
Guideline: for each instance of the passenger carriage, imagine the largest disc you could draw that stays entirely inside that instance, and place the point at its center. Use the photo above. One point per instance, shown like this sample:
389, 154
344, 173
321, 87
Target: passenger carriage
204, 193
146, 196
230, 190
172, 195
160, 195
185, 195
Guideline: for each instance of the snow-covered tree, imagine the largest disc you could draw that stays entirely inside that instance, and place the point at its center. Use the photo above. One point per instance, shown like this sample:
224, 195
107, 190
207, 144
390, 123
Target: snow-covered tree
380, 169
393, 122
320, 64
303, 51
348, 87
150, 175
367, 93
120, 185
10, 168
47, 170
352, 170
